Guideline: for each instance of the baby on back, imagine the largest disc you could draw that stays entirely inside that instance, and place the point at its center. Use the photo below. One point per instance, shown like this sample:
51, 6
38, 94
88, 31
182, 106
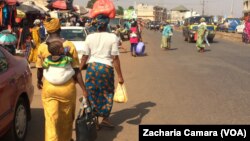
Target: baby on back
57, 66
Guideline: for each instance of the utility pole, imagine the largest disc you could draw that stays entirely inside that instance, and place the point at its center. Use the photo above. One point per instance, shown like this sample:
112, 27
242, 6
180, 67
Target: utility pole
203, 7
232, 10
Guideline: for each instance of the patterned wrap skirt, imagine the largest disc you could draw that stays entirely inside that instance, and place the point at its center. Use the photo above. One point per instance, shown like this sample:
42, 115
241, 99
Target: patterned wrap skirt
100, 88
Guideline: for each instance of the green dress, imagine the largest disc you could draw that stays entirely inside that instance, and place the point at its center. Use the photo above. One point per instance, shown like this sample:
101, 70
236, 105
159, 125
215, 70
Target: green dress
200, 41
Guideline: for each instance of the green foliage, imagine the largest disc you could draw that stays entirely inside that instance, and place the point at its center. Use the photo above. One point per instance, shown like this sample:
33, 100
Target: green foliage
120, 10
131, 7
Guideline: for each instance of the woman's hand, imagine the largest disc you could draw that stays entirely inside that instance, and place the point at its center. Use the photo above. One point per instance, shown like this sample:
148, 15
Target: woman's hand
121, 80
85, 93
39, 85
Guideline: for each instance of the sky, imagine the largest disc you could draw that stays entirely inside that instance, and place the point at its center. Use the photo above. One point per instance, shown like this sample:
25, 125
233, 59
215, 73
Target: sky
212, 7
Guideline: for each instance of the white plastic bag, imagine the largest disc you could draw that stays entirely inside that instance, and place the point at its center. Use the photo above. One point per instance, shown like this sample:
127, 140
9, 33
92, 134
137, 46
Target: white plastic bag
121, 94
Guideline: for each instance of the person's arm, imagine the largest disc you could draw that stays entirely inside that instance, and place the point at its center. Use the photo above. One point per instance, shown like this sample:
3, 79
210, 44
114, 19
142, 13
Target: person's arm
83, 61
39, 66
79, 80
116, 61
117, 66
39, 78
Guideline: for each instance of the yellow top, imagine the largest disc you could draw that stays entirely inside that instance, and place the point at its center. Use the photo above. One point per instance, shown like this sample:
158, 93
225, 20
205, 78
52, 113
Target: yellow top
36, 36
44, 53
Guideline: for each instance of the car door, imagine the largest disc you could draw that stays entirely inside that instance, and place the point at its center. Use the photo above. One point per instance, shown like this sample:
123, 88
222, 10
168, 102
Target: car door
7, 90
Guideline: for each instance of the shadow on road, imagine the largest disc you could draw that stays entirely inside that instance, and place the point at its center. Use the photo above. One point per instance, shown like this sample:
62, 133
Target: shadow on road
132, 115
172, 49
36, 126
215, 42
208, 50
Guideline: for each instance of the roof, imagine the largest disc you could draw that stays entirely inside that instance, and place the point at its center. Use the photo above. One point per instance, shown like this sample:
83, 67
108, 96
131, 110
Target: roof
180, 8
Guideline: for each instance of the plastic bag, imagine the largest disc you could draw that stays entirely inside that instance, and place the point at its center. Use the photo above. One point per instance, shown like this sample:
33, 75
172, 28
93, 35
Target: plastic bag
105, 7
121, 94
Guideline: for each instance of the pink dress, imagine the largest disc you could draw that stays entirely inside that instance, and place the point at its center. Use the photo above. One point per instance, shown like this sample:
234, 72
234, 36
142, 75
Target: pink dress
133, 35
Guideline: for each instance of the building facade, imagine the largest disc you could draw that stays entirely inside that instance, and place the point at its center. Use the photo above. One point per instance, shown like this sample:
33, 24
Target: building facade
178, 14
150, 12
145, 12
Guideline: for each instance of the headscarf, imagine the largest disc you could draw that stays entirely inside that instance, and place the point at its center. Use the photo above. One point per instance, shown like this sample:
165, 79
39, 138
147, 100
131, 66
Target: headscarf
52, 25
102, 21
36, 22
202, 19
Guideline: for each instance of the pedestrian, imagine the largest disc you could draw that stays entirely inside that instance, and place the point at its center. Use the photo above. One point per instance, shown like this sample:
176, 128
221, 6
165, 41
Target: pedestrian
246, 31
134, 38
102, 53
117, 32
36, 40
25, 32
42, 32
58, 100
202, 28
166, 36
29, 44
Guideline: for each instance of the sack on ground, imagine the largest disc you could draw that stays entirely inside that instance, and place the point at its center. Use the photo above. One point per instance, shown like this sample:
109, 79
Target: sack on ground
121, 94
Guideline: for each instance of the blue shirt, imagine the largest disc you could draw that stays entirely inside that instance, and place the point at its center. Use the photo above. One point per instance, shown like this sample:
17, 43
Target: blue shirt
166, 31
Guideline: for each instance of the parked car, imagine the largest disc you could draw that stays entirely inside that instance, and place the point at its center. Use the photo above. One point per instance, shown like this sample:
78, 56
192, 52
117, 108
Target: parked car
77, 35
240, 28
16, 94
154, 25
190, 28
231, 24
222, 27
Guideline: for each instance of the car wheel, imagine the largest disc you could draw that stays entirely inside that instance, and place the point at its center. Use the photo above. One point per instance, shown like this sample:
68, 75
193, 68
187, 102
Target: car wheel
20, 123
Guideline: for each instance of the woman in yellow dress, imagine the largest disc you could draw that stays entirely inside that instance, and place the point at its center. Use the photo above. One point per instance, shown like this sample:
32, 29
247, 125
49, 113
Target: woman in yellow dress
58, 100
36, 41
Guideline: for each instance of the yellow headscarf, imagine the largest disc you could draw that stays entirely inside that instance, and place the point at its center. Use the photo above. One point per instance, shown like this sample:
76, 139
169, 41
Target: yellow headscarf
52, 25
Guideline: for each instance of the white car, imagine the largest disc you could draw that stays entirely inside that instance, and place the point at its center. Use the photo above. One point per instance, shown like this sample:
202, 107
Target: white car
76, 35
240, 28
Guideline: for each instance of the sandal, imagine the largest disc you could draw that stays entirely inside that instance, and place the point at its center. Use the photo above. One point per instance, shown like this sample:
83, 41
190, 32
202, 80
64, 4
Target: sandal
107, 124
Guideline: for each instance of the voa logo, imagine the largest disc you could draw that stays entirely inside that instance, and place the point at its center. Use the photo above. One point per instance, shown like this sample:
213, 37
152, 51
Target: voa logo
233, 132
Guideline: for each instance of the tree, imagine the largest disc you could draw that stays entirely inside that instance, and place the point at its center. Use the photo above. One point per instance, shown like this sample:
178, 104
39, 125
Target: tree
131, 7
120, 10
91, 3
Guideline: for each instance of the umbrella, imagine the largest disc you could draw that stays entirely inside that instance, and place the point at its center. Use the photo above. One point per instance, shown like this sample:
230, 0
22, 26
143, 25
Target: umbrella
42, 11
6, 38
27, 9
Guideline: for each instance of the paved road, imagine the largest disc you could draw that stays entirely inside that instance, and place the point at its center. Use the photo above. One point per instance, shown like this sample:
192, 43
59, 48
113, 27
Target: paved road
179, 86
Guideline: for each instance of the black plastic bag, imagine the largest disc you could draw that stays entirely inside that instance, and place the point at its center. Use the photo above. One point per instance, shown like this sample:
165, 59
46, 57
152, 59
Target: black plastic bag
86, 125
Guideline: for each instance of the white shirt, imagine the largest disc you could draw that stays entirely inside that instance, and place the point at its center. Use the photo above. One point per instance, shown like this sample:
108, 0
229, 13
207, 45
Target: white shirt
101, 47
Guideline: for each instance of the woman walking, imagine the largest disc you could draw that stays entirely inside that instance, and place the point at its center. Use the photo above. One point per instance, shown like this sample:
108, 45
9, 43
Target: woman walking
37, 41
102, 53
166, 36
58, 97
202, 28
134, 38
